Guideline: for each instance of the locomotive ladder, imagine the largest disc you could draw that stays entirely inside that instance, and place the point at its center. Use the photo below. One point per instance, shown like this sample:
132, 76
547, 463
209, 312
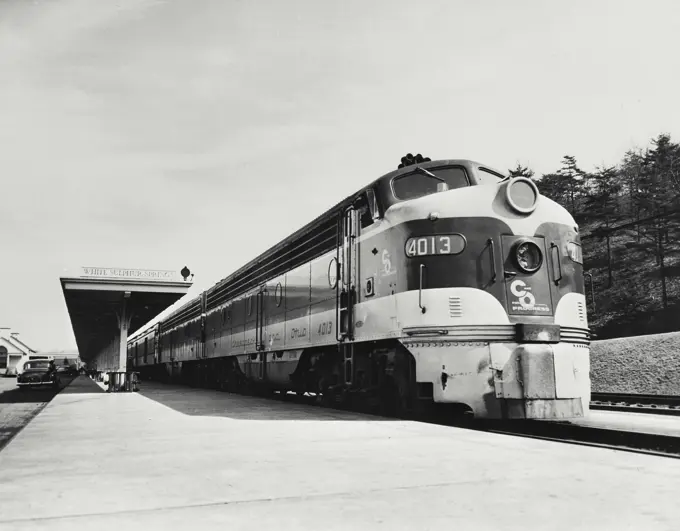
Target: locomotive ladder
346, 290
201, 350
259, 331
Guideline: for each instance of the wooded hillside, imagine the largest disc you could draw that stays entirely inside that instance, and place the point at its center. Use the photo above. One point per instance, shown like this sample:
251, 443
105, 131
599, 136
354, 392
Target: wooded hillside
629, 217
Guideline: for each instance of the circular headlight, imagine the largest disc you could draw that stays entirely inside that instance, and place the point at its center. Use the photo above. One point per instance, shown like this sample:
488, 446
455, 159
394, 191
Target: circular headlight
528, 256
522, 195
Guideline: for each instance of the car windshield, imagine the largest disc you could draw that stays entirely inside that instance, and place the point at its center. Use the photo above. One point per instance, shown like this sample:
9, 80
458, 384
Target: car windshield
418, 184
37, 365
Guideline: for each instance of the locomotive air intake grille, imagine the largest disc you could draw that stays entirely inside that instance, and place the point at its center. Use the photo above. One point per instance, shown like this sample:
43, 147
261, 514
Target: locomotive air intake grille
455, 307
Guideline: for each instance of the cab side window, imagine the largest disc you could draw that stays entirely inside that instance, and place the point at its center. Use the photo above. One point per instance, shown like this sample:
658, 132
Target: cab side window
367, 208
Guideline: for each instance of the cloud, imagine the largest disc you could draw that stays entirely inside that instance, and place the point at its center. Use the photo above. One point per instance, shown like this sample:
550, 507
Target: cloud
158, 133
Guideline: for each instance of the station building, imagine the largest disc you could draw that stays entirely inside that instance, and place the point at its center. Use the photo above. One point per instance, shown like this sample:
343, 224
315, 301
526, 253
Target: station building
105, 304
12, 351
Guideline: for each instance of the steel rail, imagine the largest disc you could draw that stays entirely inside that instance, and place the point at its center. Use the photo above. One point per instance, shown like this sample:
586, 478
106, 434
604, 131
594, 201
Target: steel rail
636, 403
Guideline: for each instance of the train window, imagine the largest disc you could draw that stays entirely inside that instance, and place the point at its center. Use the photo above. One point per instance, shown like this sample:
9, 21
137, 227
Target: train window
372, 204
226, 314
575, 253
414, 185
361, 205
486, 176
278, 294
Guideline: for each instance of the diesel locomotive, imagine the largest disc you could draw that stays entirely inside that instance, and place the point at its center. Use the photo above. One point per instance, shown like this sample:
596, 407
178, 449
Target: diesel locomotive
441, 282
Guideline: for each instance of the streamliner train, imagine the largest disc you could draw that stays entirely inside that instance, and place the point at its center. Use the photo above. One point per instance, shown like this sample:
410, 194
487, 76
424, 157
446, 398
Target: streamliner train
443, 281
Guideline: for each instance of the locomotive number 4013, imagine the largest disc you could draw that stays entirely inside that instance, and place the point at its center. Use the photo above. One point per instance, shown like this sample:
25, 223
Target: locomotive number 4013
433, 245
325, 328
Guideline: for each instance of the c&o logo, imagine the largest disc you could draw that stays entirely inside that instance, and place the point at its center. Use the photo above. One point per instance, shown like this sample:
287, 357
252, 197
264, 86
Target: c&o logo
520, 290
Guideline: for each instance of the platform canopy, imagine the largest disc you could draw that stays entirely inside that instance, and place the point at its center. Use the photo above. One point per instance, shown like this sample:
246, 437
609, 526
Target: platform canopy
106, 304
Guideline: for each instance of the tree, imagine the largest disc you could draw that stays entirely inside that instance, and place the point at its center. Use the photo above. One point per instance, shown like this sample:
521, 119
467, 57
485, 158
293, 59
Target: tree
659, 193
522, 171
630, 171
601, 199
601, 206
663, 165
554, 187
574, 181
633, 207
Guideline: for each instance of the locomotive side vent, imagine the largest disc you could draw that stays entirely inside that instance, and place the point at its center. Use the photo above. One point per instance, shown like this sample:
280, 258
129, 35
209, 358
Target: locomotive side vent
455, 307
581, 312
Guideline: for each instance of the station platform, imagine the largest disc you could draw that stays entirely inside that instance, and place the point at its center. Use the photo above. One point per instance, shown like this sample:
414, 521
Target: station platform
173, 457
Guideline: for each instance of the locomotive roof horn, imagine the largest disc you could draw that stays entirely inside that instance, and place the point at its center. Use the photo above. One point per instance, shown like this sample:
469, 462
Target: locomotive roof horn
410, 160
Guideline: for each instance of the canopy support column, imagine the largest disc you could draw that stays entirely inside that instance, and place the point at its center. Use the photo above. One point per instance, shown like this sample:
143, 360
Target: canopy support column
124, 318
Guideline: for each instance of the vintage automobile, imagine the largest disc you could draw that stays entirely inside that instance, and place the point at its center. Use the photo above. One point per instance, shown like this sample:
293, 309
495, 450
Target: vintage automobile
39, 373
31, 357
67, 370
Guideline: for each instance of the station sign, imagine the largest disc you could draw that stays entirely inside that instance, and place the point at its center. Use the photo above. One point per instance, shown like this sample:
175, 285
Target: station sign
115, 273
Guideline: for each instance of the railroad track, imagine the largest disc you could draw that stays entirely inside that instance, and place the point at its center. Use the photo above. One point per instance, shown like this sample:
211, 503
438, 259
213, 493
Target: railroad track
564, 432
636, 403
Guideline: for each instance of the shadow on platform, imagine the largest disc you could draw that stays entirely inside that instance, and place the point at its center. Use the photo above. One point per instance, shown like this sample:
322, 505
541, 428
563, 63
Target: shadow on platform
207, 402
32, 395
82, 384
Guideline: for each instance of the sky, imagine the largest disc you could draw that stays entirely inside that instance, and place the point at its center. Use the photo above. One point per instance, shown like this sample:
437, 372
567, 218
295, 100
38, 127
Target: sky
164, 133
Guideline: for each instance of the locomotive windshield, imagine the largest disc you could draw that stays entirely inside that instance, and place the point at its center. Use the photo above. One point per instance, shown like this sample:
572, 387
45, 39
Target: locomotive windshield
416, 184
486, 176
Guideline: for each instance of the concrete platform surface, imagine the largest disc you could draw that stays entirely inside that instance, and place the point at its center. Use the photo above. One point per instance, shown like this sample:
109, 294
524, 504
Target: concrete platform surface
19, 405
639, 422
180, 458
